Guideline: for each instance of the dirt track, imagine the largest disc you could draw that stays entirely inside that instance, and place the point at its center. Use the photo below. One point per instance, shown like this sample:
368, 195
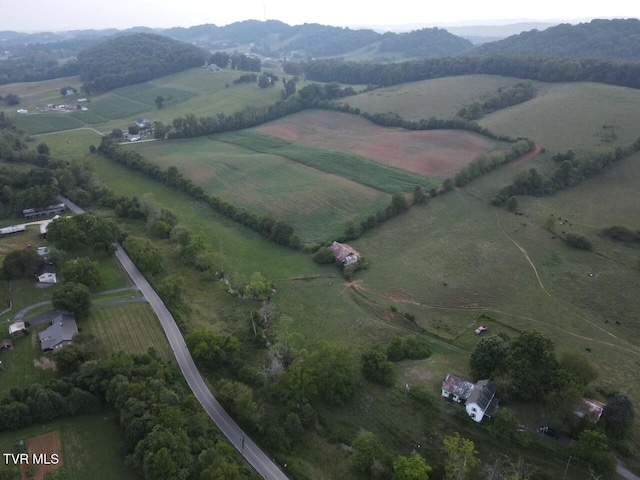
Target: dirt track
48, 444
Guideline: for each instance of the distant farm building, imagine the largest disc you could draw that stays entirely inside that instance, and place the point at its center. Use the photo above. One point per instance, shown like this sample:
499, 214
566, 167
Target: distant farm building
60, 333
56, 209
480, 398
47, 273
344, 254
22, 111
14, 229
43, 251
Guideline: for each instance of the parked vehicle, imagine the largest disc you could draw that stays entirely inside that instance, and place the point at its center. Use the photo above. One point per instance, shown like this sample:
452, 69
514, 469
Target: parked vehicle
547, 430
481, 329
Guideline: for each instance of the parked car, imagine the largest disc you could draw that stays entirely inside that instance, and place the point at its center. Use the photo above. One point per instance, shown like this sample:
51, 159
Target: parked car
481, 329
547, 430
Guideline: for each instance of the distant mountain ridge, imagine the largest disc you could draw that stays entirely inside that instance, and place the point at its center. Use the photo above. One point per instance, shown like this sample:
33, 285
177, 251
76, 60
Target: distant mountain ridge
30, 57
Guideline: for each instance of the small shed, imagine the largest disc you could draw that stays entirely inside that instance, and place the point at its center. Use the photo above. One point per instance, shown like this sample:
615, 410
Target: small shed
6, 345
17, 329
47, 273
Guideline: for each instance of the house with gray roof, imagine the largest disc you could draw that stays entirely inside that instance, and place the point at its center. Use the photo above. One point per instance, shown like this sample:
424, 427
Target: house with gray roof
479, 398
483, 401
60, 333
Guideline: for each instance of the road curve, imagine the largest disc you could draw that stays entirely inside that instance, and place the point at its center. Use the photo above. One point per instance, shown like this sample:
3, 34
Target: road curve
249, 450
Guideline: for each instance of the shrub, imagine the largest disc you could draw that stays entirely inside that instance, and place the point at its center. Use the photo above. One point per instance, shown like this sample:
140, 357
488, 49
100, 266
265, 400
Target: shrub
578, 241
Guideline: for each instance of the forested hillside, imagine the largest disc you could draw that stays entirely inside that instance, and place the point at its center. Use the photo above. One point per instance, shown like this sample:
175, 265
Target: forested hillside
616, 39
136, 58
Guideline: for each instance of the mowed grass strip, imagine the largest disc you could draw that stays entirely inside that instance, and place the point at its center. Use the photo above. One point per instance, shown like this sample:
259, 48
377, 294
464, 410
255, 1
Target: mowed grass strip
354, 167
131, 327
316, 204
114, 106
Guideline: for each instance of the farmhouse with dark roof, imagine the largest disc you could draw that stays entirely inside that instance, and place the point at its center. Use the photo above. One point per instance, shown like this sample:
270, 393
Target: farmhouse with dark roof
480, 398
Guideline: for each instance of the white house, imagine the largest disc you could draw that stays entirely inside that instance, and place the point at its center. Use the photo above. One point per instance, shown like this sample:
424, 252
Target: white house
47, 273
22, 111
17, 329
480, 398
483, 401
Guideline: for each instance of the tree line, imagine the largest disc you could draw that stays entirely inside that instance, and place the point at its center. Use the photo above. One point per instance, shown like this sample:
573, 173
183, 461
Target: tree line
533, 67
570, 171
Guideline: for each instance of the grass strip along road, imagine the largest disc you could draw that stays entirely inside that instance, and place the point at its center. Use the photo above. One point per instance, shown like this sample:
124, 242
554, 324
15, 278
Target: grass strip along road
249, 450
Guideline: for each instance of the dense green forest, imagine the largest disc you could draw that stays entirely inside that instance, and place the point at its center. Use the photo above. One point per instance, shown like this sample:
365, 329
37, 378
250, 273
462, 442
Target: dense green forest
615, 39
135, 58
546, 69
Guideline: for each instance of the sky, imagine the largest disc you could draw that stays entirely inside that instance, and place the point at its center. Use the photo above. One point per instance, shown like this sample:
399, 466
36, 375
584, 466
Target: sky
62, 15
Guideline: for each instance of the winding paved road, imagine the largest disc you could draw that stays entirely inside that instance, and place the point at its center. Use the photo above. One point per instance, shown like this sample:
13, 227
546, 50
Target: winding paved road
249, 450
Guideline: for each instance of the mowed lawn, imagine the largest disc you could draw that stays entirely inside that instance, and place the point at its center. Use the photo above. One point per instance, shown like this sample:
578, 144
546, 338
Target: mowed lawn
316, 203
92, 446
130, 327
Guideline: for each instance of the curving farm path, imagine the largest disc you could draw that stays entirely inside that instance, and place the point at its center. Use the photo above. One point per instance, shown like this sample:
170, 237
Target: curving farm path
249, 450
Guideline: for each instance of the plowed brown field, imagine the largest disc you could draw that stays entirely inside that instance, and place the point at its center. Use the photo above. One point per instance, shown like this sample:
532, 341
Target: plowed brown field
428, 152
47, 444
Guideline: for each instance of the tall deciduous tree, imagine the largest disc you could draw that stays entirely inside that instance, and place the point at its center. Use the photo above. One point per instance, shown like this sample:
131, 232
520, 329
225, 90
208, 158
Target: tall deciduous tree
532, 362
618, 416
83, 271
412, 467
461, 457
73, 297
489, 356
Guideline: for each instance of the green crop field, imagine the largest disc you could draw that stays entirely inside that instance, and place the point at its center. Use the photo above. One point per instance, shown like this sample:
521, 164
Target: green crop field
316, 203
354, 167
130, 327
91, 446
114, 106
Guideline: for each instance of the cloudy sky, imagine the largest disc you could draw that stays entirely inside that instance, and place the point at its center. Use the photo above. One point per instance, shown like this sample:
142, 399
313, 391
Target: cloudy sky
60, 15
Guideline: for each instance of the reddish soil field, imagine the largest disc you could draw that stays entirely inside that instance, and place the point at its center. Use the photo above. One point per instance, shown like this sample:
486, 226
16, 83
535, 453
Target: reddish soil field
47, 444
428, 152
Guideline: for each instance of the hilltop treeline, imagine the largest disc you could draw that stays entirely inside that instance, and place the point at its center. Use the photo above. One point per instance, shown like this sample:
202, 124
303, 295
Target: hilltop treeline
135, 58
546, 69
572, 169
616, 38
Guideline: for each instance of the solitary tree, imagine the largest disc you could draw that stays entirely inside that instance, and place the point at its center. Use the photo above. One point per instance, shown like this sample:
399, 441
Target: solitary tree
73, 297
489, 355
367, 452
159, 101
618, 416
83, 271
412, 467
419, 194
512, 204
461, 457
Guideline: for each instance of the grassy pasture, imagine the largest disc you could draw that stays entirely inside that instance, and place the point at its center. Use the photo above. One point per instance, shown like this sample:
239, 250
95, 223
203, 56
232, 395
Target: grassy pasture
147, 93
113, 106
317, 204
131, 327
572, 116
91, 446
354, 167
33, 94
440, 97
25, 364
36, 123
